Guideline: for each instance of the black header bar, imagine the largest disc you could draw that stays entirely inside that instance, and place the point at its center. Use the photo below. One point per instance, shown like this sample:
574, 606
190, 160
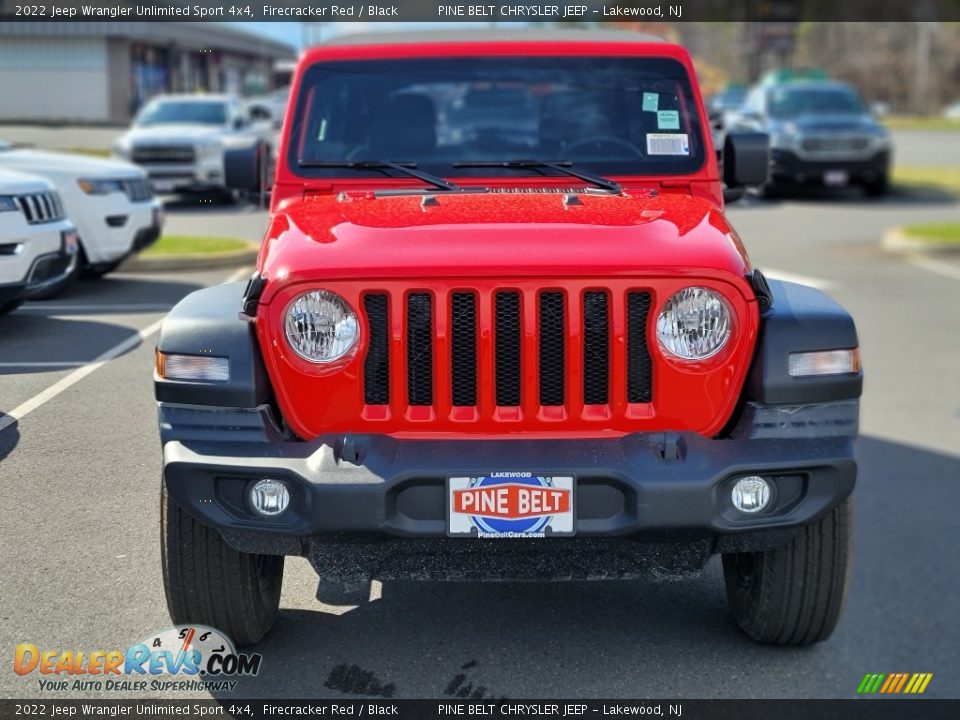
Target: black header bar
555, 11
488, 709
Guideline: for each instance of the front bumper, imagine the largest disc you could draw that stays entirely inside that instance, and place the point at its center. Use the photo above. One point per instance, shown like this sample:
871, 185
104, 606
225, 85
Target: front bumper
788, 167
369, 491
47, 271
202, 175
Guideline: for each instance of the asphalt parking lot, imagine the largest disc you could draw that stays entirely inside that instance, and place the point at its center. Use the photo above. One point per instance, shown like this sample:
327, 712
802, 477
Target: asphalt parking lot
79, 481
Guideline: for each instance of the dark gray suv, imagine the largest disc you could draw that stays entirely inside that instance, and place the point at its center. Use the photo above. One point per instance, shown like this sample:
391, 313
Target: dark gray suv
821, 133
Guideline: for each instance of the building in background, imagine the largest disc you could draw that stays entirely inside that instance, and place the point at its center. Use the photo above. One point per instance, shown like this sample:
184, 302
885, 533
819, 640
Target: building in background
103, 72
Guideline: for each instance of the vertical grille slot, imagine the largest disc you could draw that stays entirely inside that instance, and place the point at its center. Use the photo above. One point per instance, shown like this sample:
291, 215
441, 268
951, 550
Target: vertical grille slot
463, 348
376, 366
551, 346
639, 367
507, 348
596, 348
419, 349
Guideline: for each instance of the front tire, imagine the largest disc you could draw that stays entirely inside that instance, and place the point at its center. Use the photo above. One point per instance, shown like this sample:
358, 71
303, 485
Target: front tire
207, 582
793, 595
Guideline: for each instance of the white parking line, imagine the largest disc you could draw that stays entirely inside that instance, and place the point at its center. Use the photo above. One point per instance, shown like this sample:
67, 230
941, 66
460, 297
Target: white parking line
64, 364
819, 284
935, 266
21, 411
117, 309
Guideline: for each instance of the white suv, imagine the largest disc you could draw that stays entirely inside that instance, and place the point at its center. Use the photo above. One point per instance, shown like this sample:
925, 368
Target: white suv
111, 203
38, 245
181, 140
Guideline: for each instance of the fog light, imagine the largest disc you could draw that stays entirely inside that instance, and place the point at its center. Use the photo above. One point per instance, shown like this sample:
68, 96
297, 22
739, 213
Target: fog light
751, 494
269, 497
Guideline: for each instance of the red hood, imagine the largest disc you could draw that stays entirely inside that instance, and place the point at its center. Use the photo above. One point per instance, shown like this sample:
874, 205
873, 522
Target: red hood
355, 235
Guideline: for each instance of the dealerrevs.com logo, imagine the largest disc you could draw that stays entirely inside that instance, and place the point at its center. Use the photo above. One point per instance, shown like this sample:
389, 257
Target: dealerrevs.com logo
186, 657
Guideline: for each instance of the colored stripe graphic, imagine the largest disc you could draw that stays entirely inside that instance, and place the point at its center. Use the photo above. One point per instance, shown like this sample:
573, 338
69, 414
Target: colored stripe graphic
894, 683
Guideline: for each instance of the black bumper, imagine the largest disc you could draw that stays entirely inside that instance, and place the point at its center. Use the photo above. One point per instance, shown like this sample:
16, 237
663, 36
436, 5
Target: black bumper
46, 271
367, 489
788, 167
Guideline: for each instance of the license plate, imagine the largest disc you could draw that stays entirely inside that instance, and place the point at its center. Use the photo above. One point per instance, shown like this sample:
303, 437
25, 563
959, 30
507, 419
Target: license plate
835, 178
162, 186
510, 505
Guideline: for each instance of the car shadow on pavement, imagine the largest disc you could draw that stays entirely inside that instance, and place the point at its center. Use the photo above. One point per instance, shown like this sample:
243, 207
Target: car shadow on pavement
639, 638
9, 437
71, 330
914, 196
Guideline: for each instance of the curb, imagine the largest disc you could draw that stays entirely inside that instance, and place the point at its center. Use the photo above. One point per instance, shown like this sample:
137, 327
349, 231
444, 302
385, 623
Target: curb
896, 240
192, 261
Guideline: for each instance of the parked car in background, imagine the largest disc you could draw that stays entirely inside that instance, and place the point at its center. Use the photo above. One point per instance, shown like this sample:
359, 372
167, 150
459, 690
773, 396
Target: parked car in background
952, 112
821, 133
38, 245
270, 107
111, 203
180, 140
723, 110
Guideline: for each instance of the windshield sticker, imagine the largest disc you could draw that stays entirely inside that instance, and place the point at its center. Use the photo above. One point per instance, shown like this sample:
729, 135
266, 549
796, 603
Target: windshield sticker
667, 144
668, 120
651, 101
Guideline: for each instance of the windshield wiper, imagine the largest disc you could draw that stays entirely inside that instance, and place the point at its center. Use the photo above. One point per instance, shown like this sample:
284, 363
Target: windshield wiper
409, 168
563, 166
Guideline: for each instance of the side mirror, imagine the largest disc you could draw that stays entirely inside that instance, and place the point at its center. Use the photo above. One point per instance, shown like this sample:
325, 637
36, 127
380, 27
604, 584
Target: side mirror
746, 159
241, 168
239, 123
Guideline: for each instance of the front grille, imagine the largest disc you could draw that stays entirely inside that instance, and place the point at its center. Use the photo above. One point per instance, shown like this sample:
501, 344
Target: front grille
552, 350
40, 208
463, 348
549, 351
835, 144
376, 366
596, 349
420, 349
507, 348
162, 154
138, 190
639, 364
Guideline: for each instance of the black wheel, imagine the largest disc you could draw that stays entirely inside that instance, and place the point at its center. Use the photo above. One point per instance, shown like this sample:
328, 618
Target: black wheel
207, 582
878, 187
10, 306
793, 595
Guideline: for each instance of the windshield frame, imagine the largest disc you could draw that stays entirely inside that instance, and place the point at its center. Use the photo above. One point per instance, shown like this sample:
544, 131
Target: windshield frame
799, 89
225, 105
697, 161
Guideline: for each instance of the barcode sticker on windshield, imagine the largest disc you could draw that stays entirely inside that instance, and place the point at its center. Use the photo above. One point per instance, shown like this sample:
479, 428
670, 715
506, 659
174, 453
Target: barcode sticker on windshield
667, 144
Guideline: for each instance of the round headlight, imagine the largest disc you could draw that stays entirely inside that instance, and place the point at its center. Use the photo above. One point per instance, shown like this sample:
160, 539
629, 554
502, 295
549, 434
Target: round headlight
693, 324
321, 327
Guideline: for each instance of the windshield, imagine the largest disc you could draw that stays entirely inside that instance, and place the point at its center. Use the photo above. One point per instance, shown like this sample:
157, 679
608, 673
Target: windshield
184, 111
791, 102
616, 115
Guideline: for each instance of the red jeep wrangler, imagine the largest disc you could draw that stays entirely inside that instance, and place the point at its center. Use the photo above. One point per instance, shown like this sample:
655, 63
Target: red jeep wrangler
501, 329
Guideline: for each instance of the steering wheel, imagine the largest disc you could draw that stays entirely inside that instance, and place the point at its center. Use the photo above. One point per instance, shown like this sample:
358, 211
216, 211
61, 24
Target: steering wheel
617, 145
